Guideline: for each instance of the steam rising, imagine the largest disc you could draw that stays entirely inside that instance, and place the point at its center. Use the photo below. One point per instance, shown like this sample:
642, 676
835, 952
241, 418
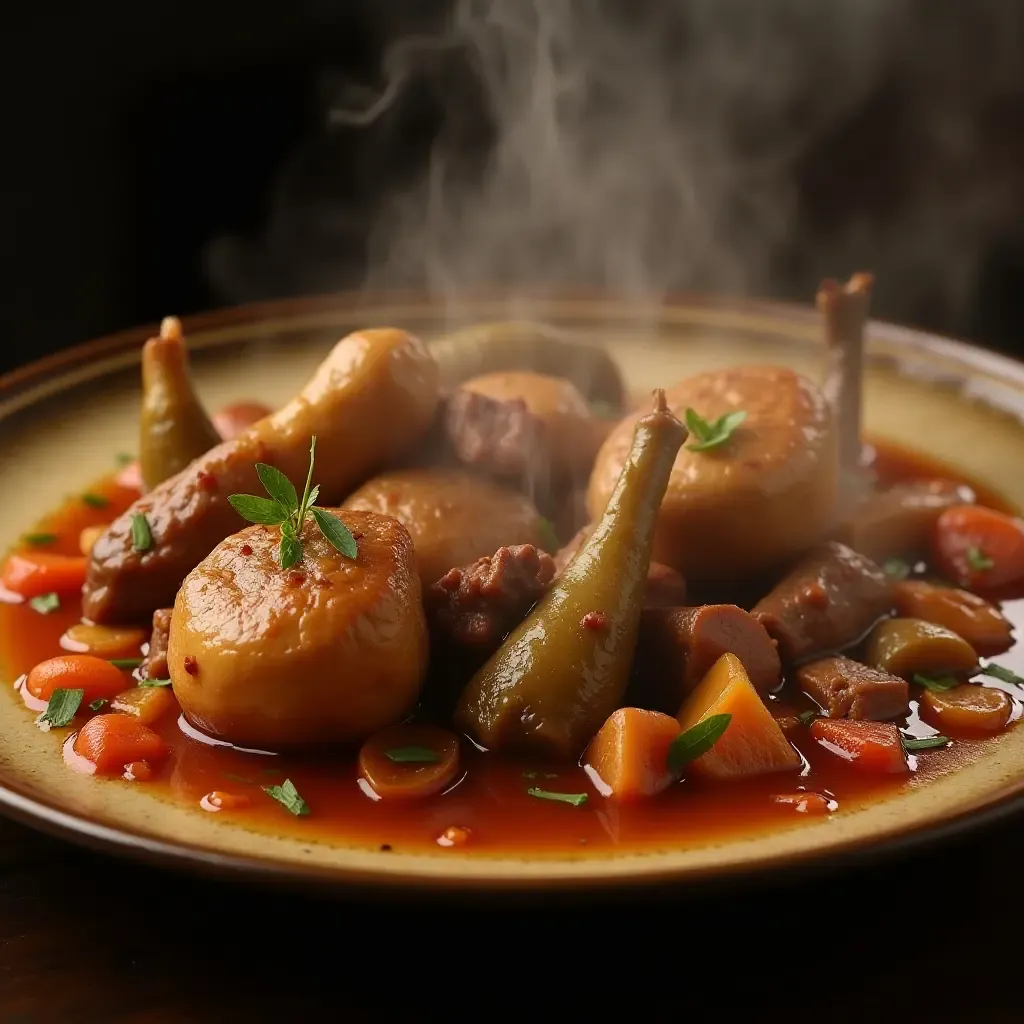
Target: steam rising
641, 147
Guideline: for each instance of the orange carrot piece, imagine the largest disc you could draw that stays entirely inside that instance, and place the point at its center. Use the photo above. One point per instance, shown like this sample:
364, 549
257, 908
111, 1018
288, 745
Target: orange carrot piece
146, 704
98, 678
112, 741
753, 743
629, 753
407, 762
104, 641
804, 802
969, 707
871, 746
979, 548
34, 573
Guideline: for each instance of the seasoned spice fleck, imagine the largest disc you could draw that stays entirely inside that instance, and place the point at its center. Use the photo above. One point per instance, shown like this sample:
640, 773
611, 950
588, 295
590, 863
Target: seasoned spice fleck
594, 620
191, 665
246, 549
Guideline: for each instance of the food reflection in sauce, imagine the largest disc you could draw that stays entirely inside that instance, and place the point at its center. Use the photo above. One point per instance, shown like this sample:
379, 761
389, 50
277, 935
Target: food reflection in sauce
571, 699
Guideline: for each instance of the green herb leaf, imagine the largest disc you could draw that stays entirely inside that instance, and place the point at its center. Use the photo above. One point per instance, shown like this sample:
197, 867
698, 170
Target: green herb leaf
38, 539
45, 603
1002, 673
937, 683
288, 797
313, 495
806, 717
278, 486
336, 532
154, 682
95, 500
61, 707
978, 560
548, 537
291, 551
576, 799
540, 775
128, 663
412, 755
97, 704
896, 568
142, 535
714, 433
697, 740
924, 742
258, 510
123, 458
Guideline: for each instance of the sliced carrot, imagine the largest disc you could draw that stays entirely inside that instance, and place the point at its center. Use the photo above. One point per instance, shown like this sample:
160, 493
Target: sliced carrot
34, 573
235, 419
409, 761
804, 803
112, 741
98, 678
871, 746
629, 754
146, 704
981, 624
969, 707
979, 548
104, 641
753, 743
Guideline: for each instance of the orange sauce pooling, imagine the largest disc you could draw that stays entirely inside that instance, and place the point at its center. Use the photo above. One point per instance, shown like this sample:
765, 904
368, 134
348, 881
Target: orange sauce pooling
487, 808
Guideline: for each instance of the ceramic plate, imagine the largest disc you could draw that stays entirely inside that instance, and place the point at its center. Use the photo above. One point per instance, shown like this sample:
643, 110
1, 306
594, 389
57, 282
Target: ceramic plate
62, 419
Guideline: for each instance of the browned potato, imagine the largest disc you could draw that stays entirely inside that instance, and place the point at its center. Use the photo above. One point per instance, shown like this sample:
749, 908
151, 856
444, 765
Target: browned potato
969, 707
454, 517
326, 652
909, 647
572, 433
761, 498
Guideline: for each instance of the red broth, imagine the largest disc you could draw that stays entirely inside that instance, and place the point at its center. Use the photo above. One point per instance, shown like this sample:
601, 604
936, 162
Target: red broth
488, 806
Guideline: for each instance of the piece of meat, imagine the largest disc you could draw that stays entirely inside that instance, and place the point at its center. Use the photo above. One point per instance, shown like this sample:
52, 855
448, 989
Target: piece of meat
676, 648
847, 689
372, 398
828, 602
154, 665
900, 521
665, 588
753, 502
501, 437
478, 605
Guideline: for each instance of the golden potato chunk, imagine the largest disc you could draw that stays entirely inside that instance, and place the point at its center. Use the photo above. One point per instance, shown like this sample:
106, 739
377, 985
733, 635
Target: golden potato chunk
454, 517
326, 652
752, 503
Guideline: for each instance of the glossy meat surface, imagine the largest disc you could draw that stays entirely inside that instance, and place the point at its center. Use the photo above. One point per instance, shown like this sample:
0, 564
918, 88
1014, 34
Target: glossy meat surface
372, 398
845, 688
325, 652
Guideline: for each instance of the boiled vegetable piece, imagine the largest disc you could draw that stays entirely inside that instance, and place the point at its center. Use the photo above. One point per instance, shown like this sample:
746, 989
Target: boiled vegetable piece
968, 707
34, 573
97, 678
453, 517
370, 400
329, 651
848, 689
981, 624
829, 601
901, 520
909, 647
753, 743
754, 502
103, 641
409, 762
979, 548
112, 741
629, 754
146, 704
173, 426
564, 669
677, 647
869, 746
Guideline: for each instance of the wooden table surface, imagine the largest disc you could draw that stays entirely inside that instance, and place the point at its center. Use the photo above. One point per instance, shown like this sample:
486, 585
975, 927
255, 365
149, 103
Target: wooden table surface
928, 936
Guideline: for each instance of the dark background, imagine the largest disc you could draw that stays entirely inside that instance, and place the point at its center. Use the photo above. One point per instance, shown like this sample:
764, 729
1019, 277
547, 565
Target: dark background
136, 136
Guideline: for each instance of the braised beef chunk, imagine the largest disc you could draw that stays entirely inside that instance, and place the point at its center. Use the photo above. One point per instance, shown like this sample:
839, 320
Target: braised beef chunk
676, 647
478, 605
500, 437
847, 689
154, 665
828, 602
